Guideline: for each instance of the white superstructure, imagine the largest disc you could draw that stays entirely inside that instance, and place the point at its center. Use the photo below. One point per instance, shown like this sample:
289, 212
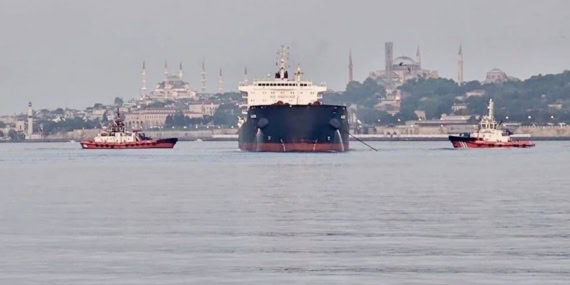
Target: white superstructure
489, 129
281, 88
117, 133
126, 137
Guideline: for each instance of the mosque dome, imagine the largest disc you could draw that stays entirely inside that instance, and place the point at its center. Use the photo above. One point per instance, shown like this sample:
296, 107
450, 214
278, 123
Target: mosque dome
174, 82
496, 70
404, 60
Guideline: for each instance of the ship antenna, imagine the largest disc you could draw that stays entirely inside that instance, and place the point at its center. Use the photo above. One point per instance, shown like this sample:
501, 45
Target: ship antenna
491, 110
283, 55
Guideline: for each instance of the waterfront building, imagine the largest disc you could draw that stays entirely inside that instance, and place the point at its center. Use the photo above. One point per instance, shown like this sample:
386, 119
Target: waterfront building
95, 113
556, 106
476, 93
153, 118
459, 107
9, 123
20, 125
447, 124
203, 109
391, 103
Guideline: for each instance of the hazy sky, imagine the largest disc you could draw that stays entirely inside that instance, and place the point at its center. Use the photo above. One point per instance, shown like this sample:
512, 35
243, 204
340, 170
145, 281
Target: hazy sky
76, 53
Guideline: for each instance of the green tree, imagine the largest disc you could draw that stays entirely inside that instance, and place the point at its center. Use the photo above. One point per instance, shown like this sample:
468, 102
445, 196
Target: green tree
366, 94
50, 127
169, 122
477, 105
105, 118
434, 96
372, 116
230, 96
226, 115
16, 136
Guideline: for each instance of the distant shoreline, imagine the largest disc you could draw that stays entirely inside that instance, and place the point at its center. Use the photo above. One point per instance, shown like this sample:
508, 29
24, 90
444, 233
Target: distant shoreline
369, 139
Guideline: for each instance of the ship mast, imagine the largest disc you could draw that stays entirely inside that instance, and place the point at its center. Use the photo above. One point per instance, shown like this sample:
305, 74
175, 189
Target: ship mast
491, 110
488, 121
283, 57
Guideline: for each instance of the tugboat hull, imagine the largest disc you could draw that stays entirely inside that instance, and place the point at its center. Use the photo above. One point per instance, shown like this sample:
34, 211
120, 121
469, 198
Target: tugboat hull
145, 144
295, 128
468, 142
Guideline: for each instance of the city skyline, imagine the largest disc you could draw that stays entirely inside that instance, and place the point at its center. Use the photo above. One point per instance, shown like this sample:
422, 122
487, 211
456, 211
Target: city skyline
92, 52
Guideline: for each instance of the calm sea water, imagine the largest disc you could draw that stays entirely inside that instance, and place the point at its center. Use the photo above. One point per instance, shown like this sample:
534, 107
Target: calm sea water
206, 213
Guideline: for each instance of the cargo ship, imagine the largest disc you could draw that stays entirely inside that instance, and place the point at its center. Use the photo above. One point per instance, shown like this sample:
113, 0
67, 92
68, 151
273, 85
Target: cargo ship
488, 135
285, 115
116, 136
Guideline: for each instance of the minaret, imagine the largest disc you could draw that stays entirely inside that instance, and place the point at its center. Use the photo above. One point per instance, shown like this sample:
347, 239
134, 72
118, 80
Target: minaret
166, 69
30, 119
220, 83
143, 76
180, 72
204, 75
350, 78
245, 81
166, 81
388, 58
418, 57
460, 66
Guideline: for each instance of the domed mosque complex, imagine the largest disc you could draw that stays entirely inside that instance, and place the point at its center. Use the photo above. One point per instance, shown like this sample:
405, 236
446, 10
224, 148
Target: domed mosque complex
400, 69
173, 87
397, 71
496, 75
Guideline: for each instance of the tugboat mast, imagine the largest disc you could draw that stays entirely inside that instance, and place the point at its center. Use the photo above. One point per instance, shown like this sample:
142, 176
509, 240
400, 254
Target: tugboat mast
491, 110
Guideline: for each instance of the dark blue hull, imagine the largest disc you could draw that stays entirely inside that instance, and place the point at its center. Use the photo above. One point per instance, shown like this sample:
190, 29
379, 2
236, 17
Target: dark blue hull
295, 128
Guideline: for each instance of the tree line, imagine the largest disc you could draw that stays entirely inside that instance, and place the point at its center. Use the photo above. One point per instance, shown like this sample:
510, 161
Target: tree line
226, 115
540, 99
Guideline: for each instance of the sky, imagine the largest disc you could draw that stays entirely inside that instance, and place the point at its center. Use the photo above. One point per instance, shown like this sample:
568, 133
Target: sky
75, 53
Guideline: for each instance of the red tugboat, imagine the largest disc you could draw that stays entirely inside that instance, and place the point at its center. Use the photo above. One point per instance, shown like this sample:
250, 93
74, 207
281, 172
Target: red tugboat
488, 135
117, 137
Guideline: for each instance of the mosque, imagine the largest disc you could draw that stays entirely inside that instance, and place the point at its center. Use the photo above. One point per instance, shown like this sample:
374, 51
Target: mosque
496, 75
400, 69
173, 87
